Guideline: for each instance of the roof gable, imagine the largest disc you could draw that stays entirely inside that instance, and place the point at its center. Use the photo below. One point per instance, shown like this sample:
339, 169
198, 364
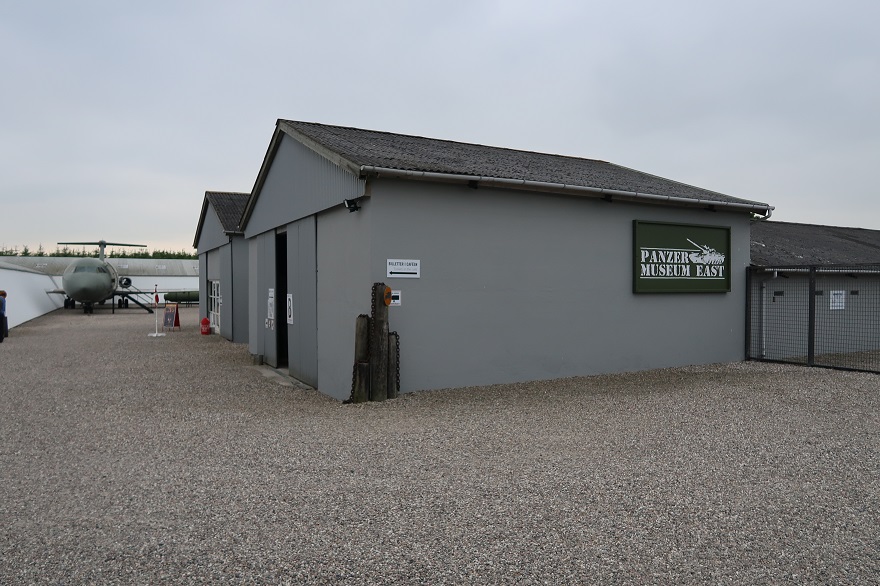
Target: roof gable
229, 208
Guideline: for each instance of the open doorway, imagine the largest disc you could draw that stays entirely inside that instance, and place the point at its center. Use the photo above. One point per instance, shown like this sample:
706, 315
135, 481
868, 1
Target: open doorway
281, 325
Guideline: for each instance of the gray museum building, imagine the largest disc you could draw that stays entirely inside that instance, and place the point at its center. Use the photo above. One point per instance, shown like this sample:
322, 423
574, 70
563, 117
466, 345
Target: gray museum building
504, 265
223, 254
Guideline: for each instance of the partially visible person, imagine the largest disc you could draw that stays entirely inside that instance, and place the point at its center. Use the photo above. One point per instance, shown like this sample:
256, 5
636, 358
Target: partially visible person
4, 324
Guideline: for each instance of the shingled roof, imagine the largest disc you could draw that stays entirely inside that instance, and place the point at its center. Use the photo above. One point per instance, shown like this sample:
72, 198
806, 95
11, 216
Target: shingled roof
369, 152
229, 207
790, 244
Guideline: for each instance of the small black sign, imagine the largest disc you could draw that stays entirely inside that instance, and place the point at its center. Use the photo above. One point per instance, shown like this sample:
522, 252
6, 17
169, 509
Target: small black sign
171, 319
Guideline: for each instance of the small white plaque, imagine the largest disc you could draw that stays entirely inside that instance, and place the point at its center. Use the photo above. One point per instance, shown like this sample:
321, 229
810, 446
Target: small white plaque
395, 298
838, 299
401, 268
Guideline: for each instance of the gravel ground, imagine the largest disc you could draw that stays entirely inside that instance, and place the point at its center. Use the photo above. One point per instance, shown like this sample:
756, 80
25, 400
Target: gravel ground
126, 459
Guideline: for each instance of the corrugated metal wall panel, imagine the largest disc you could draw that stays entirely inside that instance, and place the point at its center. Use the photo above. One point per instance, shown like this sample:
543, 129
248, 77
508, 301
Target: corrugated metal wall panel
302, 284
300, 183
215, 270
211, 235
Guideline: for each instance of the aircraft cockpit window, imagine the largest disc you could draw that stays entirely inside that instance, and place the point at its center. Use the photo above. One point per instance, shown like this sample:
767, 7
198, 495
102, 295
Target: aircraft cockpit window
91, 269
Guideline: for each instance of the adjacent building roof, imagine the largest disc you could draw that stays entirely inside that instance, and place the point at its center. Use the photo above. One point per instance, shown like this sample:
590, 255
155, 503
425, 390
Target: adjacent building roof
371, 153
13, 266
127, 267
229, 207
790, 244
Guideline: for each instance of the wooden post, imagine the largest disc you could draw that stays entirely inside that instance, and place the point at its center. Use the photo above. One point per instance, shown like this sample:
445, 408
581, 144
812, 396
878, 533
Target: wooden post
379, 345
362, 339
360, 385
361, 391
393, 383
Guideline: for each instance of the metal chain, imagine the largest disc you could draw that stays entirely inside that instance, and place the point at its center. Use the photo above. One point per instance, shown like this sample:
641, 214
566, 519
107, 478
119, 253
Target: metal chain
397, 349
354, 370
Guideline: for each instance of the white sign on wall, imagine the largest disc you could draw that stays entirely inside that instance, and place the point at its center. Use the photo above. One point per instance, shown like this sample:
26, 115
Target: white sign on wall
838, 299
395, 298
270, 310
290, 308
401, 268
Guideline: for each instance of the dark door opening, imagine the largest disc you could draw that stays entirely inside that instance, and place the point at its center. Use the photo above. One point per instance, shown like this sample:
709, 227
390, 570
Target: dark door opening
281, 325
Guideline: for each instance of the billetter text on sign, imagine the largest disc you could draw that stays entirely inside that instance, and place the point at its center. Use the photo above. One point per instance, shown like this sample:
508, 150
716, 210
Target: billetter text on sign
401, 268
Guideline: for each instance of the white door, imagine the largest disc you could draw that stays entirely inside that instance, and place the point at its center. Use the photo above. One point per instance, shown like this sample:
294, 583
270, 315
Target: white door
214, 303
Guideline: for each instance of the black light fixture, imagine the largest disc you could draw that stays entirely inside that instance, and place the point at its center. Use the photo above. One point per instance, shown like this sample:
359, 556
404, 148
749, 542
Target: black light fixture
351, 205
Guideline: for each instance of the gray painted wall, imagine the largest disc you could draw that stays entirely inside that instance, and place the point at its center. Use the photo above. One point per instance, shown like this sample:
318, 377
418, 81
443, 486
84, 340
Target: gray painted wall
855, 328
780, 316
299, 183
267, 280
212, 235
213, 270
344, 285
514, 287
203, 286
238, 304
260, 268
224, 275
302, 337
209, 270
229, 265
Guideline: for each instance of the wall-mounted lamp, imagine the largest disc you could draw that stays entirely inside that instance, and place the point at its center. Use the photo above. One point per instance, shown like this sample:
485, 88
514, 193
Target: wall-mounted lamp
351, 205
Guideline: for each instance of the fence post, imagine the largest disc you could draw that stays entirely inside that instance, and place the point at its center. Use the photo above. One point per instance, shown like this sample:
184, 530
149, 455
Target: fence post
748, 313
811, 327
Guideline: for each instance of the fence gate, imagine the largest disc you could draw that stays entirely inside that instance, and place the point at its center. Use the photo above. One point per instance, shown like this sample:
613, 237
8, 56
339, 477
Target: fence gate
815, 315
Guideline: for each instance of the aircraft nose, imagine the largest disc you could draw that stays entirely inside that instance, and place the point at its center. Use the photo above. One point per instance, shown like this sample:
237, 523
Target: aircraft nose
83, 288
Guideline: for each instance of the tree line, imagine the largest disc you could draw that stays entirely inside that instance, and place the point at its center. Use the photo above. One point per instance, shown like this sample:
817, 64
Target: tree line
95, 252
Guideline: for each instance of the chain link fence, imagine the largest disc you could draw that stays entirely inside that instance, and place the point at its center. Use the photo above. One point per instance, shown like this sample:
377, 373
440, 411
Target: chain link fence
825, 316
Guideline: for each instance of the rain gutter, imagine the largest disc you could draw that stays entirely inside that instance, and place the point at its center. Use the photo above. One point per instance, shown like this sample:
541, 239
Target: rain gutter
820, 270
608, 194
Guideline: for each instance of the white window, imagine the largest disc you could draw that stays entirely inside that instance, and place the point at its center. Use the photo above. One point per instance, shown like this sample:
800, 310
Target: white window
214, 303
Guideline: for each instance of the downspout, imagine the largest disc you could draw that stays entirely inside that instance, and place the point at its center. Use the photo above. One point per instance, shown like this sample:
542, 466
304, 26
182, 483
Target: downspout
373, 171
763, 319
231, 290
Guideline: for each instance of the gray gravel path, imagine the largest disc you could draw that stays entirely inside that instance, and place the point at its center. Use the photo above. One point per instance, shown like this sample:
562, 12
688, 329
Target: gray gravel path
126, 459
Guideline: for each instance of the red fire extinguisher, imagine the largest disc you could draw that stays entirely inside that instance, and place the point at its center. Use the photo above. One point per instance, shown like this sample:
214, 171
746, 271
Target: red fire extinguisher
206, 326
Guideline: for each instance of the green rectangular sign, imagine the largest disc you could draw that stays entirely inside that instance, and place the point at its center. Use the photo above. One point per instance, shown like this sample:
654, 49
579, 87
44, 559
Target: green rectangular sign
680, 258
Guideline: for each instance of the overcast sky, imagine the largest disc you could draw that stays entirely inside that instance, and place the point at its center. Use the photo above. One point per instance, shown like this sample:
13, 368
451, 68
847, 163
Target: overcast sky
118, 116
